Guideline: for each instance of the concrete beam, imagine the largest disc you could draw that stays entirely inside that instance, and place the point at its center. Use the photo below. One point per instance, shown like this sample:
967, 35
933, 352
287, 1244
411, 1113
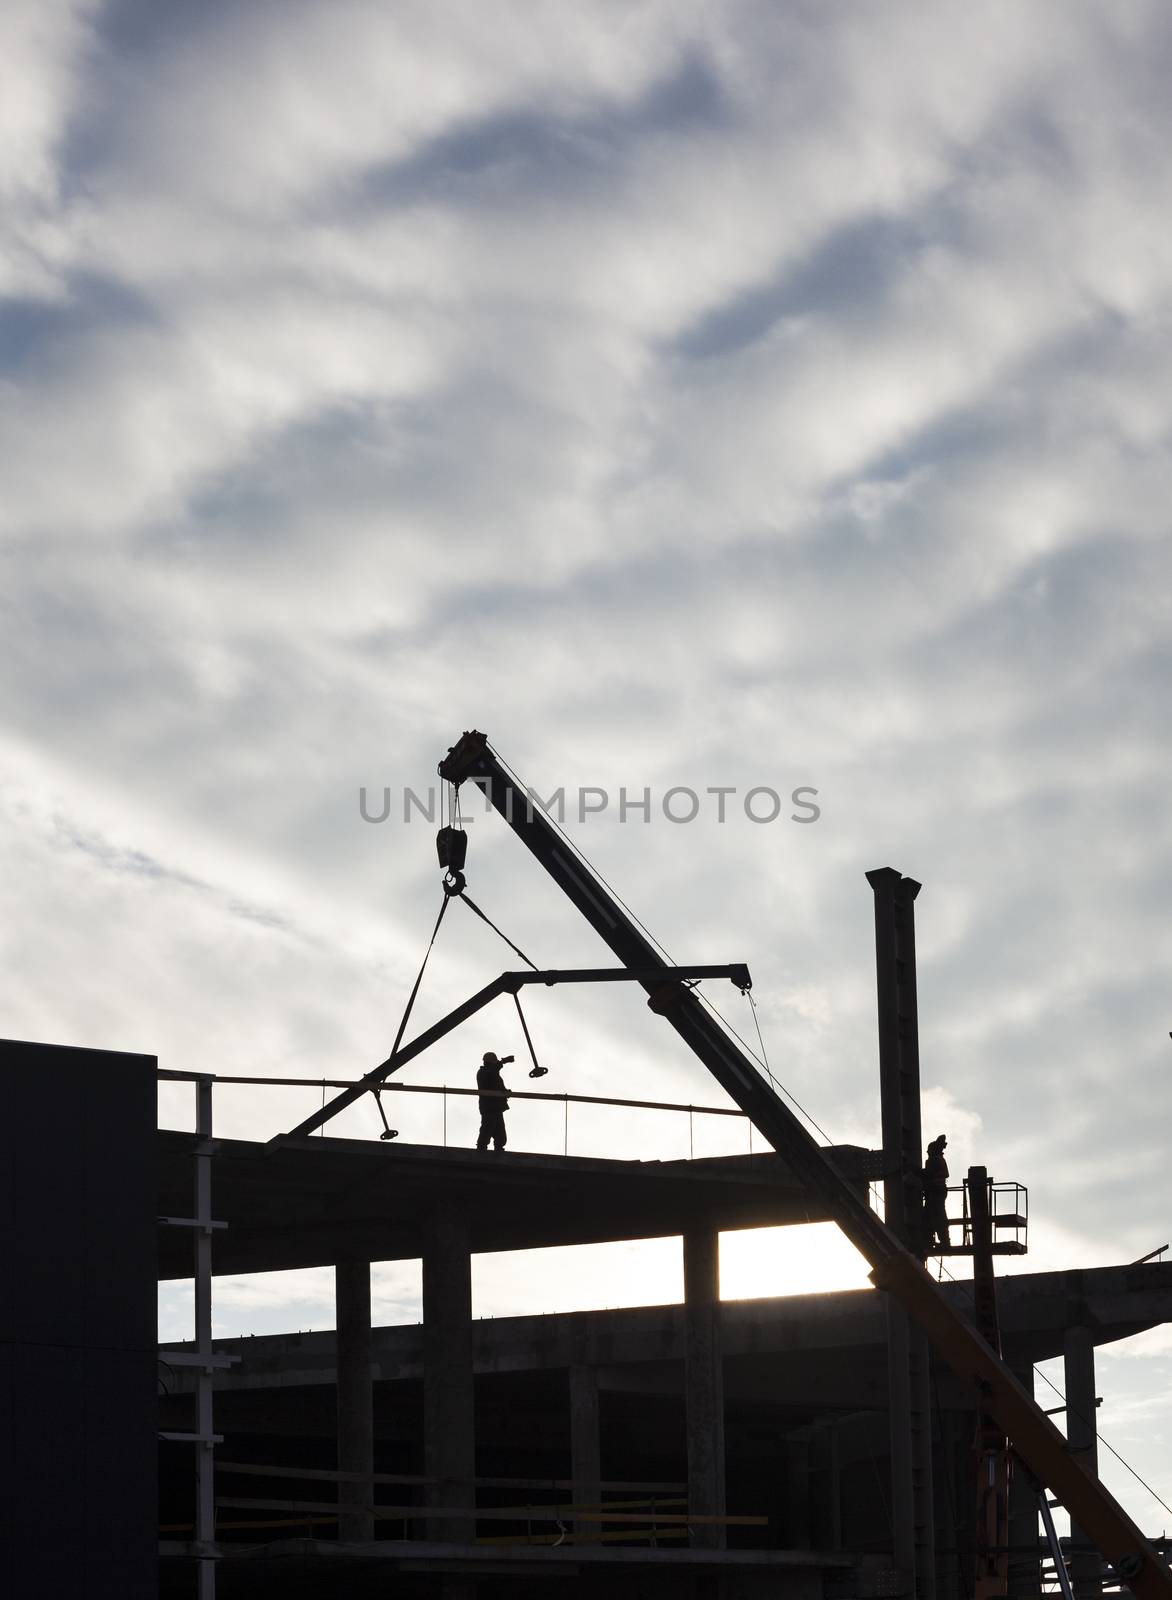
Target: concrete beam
312, 1202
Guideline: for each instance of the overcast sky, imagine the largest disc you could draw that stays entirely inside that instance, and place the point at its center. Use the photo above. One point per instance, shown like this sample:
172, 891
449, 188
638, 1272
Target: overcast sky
697, 393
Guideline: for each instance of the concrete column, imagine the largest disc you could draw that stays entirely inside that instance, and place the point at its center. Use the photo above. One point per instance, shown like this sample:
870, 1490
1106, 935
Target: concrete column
449, 1441
948, 1521
826, 1512
1078, 1351
355, 1399
910, 1432
704, 1384
1024, 1574
799, 1506
585, 1447
907, 1352
921, 1428
899, 1400
899, 1050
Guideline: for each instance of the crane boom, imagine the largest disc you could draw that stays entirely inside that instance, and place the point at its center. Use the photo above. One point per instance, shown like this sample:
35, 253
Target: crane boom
1035, 1438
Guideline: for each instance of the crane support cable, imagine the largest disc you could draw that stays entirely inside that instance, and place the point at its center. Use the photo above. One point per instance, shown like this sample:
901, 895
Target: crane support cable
1107, 1445
472, 906
419, 978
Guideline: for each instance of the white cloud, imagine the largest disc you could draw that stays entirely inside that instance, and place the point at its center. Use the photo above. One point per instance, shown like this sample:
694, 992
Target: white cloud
690, 394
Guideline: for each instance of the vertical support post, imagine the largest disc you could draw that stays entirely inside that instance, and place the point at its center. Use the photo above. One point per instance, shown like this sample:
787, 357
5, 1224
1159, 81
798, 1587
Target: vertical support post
799, 1501
991, 1573
899, 1401
355, 1400
924, 1499
704, 1385
899, 1051
913, 1520
449, 1438
1078, 1352
205, 1469
826, 1511
585, 1447
948, 1520
1025, 1578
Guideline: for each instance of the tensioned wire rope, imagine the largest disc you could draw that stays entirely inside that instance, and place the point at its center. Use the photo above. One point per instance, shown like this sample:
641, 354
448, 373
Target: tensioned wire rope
967, 1289
763, 1061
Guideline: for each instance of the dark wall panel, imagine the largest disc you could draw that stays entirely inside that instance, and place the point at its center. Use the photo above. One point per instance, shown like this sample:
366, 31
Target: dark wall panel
77, 1324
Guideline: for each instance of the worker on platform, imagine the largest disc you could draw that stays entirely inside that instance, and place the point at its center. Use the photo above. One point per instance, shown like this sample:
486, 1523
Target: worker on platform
935, 1176
493, 1104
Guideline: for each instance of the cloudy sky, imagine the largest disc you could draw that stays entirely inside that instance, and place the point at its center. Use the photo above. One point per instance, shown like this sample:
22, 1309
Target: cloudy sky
688, 393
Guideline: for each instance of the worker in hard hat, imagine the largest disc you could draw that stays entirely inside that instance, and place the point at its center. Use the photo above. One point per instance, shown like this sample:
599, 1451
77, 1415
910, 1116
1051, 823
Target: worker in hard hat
493, 1104
935, 1176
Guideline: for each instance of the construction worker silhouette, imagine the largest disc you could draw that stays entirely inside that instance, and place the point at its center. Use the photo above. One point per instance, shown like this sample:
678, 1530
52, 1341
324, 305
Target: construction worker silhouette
935, 1177
493, 1105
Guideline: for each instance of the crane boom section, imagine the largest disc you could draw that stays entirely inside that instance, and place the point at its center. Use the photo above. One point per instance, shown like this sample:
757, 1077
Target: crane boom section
1034, 1436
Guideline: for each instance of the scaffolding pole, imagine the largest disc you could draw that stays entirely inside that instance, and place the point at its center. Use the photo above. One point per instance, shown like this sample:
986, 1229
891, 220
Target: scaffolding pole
205, 1484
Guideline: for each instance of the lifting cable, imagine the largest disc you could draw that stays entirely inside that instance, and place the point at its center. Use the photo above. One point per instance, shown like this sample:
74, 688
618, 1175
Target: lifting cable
453, 890
418, 980
748, 994
779, 1087
457, 893
463, 895
388, 1131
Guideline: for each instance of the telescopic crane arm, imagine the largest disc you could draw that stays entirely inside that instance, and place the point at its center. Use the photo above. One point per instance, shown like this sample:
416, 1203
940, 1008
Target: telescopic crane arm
1035, 1438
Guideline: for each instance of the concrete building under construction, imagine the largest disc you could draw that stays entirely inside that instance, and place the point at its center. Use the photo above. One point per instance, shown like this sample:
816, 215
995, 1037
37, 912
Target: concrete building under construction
873, 1443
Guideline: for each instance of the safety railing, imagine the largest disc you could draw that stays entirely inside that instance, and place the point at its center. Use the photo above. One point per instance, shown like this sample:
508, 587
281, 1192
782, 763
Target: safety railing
448, 1092
657, 1512
1008, 1214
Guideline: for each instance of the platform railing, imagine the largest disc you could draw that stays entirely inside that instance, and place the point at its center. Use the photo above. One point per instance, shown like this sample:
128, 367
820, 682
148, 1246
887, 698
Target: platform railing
657, 1511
